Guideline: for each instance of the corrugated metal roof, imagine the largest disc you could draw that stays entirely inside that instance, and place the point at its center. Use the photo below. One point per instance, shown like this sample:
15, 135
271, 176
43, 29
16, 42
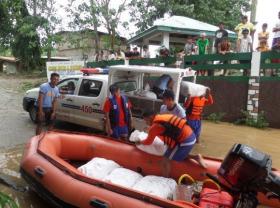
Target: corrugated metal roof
186, 23
179, 25
9, 58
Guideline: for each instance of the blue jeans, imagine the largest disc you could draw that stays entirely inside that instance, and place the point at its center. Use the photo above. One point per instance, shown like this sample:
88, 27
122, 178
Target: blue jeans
196, 127
182, 150
120, 131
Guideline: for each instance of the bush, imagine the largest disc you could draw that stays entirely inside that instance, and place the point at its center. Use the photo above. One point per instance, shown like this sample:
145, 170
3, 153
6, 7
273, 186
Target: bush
248, 120
215, 117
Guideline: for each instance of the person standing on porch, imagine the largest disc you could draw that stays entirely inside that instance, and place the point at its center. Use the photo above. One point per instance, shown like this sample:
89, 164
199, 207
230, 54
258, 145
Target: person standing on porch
203, 44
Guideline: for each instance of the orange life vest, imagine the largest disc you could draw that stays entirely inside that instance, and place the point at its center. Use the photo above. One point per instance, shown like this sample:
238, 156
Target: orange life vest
197, 106
176, 129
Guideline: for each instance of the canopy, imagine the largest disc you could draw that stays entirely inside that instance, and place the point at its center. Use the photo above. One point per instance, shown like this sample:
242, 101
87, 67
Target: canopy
175, 29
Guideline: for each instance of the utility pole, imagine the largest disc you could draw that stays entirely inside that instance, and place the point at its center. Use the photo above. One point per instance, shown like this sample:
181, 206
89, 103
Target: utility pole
253, 14
254, 11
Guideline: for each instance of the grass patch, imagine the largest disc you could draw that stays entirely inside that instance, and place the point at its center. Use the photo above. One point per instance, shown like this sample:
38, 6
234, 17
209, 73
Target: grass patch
33, 74
215, 117
24, 86
260, 122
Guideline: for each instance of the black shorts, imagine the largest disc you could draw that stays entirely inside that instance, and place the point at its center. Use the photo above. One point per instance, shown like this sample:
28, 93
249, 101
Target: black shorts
47, 119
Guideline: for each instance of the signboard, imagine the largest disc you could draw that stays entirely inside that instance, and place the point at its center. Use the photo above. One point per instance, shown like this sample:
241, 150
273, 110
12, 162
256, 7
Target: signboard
64, 68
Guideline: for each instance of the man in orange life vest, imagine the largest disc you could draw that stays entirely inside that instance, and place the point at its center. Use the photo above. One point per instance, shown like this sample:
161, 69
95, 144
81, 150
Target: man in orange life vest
194, 108
175, 133
117, 114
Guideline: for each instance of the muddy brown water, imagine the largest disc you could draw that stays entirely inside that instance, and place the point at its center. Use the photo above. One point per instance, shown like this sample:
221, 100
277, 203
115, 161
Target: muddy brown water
16, 129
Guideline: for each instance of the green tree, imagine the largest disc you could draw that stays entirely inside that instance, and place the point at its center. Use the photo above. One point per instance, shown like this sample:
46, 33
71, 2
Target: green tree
18, 32
144, 12
5, 25
89, 19
96, 13
48, 21
112, 18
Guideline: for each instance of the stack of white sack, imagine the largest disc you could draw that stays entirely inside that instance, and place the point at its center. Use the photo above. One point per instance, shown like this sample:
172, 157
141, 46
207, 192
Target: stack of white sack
110, 171
98, 168
156, 148
190, 88
124, 177
156, 185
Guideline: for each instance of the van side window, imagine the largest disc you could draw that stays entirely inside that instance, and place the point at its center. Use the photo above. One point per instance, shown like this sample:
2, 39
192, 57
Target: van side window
90, 88
67, 86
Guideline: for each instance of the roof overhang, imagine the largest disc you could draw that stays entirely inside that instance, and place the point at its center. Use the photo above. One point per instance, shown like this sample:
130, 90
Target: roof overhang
171, 30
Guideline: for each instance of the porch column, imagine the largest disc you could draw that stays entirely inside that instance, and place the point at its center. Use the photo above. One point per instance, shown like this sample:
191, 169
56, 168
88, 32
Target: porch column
165, 39
254, 85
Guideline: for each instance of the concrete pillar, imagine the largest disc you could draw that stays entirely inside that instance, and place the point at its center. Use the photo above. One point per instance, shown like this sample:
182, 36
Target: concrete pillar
254, 85
165, 39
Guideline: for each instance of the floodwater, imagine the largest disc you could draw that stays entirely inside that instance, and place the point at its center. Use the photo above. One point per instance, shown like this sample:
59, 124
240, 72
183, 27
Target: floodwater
16, 129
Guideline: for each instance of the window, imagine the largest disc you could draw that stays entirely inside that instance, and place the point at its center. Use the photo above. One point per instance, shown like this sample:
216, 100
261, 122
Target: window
90, 88
67, 86
127, 86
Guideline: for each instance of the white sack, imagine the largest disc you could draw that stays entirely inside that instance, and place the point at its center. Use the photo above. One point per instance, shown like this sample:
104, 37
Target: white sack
98, 168
147, 94
124, 177
156, 185
192, 89
156, 148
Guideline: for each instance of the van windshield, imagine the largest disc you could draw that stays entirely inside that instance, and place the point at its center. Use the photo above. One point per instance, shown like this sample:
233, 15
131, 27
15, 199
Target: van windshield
127, 86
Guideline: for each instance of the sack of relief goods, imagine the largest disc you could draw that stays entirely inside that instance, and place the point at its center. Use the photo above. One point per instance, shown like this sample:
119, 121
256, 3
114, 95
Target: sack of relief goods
157, 186
123, 177
98, 168
156, 148
190, 88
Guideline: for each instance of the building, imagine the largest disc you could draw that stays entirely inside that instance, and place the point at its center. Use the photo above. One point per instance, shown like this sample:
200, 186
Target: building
9, 65
173, 31
80, 45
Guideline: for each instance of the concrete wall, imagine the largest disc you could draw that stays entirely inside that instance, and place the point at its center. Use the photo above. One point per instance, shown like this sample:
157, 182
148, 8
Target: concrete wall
230, 96
9, 67
269, 101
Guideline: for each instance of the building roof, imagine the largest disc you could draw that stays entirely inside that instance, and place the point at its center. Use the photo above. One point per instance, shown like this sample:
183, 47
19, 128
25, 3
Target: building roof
100, 32
179, 25
13, 59
58, 58
9, 59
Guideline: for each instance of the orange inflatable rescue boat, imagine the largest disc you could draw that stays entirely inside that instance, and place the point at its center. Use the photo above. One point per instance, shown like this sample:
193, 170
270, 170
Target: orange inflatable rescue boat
50, 162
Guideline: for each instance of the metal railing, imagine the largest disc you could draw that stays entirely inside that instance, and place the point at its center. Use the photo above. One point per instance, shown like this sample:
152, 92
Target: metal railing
230, 61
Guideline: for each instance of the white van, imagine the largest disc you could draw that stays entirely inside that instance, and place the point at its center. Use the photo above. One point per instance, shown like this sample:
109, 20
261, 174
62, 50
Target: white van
85, 105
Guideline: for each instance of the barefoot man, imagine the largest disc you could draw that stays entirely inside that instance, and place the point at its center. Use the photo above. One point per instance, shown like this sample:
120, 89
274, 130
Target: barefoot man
175, 133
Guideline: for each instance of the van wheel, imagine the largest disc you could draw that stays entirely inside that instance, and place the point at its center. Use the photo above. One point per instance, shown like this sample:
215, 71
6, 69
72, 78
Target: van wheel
32, 113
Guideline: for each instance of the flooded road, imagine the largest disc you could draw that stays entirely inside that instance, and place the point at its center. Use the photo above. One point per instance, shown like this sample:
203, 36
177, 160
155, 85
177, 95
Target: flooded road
217, 139
16, 128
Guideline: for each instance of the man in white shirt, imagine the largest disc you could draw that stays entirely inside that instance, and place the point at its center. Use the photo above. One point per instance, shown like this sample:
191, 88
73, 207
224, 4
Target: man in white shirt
244, 44
169, 106
111, 56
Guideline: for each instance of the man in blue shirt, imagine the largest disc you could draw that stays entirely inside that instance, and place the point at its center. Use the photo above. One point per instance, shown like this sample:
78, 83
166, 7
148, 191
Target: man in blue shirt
170, 106
46, 103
